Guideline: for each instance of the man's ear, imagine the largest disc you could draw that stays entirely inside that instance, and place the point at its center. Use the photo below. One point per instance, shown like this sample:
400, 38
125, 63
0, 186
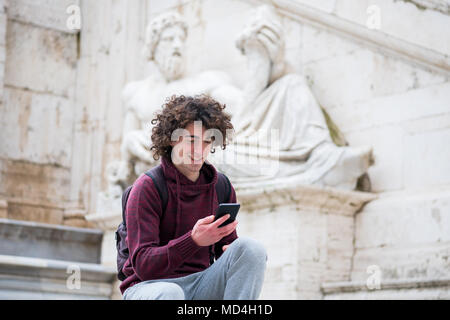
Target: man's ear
174, 142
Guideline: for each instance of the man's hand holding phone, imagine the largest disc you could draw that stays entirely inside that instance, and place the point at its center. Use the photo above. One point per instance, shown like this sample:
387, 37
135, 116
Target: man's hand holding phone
207, 232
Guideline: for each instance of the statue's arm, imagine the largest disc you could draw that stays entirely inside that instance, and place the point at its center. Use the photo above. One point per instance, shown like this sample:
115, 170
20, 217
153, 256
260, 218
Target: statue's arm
262, 43
131, 120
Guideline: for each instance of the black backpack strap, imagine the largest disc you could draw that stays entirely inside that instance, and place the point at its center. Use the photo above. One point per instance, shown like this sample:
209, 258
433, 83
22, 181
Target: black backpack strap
223, 188
159, 180
157, 175
125, 196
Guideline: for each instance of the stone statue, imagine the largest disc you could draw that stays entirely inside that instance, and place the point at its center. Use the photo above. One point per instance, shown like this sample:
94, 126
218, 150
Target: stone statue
282, 138
164, 51
303, 153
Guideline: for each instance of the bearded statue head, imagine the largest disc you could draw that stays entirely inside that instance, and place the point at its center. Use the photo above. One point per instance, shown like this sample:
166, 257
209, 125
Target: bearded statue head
164, 44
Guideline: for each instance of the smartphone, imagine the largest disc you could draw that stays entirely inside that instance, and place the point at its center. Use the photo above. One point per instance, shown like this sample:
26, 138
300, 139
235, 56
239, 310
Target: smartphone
227, 208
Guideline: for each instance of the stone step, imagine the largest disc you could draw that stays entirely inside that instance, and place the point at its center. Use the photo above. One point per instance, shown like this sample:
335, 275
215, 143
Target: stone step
401, 289
37, 278
48, 241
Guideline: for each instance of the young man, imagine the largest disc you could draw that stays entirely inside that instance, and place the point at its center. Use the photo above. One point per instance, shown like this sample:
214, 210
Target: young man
170, 251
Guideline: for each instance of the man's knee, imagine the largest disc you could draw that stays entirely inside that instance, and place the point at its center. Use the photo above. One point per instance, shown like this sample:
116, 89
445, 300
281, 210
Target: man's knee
251, 248
170, 291
158, 291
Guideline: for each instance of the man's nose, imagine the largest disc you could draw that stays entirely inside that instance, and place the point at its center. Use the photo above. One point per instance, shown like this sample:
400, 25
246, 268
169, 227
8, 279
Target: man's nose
199, 148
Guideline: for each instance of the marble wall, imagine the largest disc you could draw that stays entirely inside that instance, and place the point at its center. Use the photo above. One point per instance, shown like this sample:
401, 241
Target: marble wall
38, 78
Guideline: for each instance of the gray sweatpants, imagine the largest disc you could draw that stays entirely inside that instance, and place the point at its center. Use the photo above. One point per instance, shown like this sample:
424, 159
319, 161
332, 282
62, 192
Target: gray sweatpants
238, 274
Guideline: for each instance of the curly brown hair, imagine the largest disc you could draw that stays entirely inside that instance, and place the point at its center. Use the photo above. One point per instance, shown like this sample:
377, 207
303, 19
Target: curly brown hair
179, 111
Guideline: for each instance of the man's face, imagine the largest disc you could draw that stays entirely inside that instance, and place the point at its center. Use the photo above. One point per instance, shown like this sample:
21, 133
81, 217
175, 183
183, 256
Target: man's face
192, 147
169, 52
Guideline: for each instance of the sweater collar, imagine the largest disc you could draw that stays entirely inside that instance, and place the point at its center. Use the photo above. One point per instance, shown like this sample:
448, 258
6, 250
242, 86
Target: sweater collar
206, 179
204, 184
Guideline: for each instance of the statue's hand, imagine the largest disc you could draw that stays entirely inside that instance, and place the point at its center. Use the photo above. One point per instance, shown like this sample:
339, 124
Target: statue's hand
269, 34
117, 171
263, 39
265, 33
135, 145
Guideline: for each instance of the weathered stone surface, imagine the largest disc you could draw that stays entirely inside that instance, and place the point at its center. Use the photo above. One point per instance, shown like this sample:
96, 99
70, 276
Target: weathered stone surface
25, 210
308, 239
405, 219
406, 235
52, 14
390, 23
363, 75
327, 200
39, 59
403, 262
412, 105
405, 289
34, 192
3, 209
32, 136
432, 148
3, 20
36, 278
31, 239
78, 223
417, 117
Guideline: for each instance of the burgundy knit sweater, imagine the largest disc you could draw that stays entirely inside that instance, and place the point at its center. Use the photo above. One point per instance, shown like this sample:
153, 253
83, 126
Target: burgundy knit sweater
160, 243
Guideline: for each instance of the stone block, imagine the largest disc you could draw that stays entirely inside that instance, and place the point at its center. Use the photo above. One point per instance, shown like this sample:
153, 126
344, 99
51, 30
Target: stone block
51, 14
34, 192
318, 44
363, 75
398, 18
3, 26
3, 209
32, 239
398, 109
25, 210
307, 238
327, 5
404, 289
427, 161
212, 19
387, 142
405, 219
32, 136
405, 235
38, 278
403, 262
40, 59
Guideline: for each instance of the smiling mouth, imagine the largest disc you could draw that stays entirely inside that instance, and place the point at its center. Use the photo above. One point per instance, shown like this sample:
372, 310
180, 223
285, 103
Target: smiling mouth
200, 159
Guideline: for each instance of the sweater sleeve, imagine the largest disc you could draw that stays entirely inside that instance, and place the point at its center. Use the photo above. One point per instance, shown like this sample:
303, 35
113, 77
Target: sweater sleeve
148, 259
232, 236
